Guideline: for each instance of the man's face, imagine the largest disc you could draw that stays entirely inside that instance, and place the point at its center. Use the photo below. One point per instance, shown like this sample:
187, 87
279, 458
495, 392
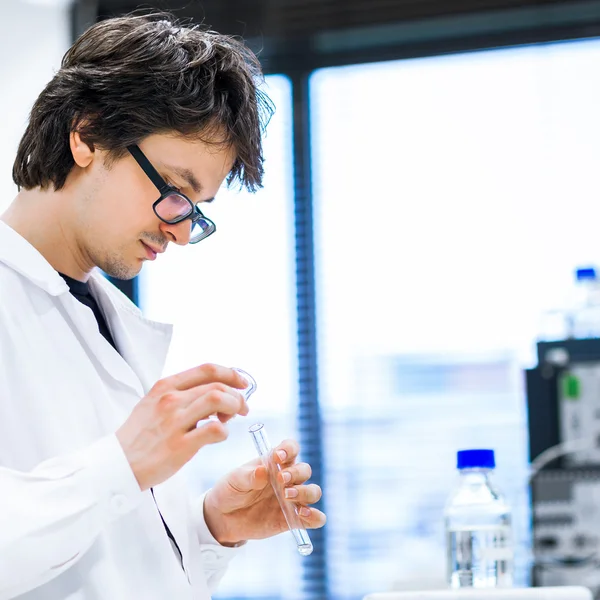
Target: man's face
115, 225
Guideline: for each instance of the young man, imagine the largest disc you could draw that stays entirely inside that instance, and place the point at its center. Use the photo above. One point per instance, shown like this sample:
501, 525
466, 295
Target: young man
139, 128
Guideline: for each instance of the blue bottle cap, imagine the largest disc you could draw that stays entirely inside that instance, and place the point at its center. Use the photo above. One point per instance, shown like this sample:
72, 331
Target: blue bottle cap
585, 274
475, 459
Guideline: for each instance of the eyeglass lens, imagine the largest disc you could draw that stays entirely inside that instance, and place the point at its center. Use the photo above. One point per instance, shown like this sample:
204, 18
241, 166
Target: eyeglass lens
173, 207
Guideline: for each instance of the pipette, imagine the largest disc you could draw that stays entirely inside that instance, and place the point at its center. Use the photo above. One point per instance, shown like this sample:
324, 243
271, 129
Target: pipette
261, 441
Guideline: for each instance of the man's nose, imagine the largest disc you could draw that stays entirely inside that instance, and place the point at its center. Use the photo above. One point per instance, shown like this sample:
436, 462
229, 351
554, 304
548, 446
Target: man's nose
179, 233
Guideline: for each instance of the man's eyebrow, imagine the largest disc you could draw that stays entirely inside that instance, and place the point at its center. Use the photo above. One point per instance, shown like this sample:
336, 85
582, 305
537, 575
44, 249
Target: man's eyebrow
189, 177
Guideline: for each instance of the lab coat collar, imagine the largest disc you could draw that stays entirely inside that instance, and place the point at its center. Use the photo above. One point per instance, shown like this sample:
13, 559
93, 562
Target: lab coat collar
141, 342
18, 254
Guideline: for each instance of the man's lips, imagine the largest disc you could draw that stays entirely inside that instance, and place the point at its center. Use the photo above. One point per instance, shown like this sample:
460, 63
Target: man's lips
152, 251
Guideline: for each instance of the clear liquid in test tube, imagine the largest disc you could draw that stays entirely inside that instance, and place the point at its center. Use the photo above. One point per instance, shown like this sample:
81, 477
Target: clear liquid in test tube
261, 441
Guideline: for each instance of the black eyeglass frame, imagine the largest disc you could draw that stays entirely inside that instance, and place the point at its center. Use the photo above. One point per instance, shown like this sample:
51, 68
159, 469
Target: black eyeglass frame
195, 214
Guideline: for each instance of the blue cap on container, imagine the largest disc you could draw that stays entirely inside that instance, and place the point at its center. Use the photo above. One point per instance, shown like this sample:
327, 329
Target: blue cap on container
473, 459
588, 273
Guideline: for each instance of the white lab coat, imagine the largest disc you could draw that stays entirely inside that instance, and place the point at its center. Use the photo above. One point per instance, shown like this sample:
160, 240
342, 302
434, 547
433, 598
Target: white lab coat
74, 524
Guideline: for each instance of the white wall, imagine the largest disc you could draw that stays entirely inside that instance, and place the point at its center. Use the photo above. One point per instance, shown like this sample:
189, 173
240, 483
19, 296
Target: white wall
33, 38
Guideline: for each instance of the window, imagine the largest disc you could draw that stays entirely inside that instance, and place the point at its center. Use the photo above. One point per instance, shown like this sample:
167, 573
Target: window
453, 197
231, 299
25, 73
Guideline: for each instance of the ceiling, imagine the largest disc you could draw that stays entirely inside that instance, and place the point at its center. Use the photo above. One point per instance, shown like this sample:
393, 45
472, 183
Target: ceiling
313, 33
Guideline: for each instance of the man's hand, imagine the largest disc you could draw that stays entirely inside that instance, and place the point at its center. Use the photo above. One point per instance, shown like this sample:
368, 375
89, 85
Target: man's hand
242, 505
162, 433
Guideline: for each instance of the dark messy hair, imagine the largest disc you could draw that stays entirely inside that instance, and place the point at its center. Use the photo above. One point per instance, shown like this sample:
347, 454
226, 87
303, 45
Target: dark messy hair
129, 77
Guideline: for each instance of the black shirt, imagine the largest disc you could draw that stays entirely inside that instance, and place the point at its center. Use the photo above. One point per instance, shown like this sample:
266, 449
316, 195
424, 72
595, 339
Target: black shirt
81, 291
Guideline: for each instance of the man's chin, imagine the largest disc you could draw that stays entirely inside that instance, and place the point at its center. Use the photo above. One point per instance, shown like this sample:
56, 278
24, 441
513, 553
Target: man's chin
122, 272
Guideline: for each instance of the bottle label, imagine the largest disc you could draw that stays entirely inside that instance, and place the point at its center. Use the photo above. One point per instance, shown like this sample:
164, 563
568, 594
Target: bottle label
480, 556
495, 553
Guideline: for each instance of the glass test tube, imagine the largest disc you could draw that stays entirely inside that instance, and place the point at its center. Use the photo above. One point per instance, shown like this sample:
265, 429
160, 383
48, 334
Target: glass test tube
247, 391
259, 436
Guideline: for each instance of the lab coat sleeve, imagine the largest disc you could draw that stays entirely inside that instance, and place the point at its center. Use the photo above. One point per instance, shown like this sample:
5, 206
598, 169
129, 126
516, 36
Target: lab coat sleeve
51, 515
215, 558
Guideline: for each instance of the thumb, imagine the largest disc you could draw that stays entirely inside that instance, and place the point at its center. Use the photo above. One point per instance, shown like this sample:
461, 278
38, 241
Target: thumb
248, 478
260, 478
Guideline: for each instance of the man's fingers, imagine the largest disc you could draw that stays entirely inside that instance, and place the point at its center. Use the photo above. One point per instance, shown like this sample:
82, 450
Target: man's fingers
212, 400
210, 432
304, 494
312, 517
295, 474
249, 478
211, 391
204, 374
260, 478
287, 452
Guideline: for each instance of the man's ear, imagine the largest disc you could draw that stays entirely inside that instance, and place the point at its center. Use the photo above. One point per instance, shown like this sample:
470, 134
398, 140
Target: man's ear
82, 153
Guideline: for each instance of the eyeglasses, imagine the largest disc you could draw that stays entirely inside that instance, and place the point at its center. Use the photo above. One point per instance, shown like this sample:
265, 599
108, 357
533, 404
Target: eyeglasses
173, 207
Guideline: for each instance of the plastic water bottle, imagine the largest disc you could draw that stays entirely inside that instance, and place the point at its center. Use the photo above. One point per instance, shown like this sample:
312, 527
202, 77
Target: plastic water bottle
579, 315
584, 317
478, 527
